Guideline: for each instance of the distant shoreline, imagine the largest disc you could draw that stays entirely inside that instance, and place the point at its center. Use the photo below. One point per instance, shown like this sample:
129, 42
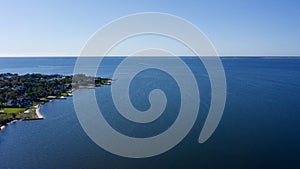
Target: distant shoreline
121, 56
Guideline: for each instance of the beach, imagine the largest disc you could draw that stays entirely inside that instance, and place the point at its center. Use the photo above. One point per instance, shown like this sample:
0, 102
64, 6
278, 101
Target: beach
37, 112
35, 109
2, 127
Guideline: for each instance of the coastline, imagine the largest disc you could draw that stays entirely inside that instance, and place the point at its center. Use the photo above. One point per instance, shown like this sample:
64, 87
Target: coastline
37, 112
35, 109
2, 127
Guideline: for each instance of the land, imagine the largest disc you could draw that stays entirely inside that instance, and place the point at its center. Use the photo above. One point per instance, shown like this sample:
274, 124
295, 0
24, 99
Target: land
22, 95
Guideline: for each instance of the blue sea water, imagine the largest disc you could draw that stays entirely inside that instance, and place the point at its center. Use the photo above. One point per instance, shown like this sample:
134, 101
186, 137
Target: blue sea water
259, 129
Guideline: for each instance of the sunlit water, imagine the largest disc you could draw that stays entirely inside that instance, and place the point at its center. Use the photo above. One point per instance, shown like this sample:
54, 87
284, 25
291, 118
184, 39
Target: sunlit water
259, 129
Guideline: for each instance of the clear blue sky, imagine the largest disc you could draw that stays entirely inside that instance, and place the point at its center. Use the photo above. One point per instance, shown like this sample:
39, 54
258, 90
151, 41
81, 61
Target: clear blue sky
236, 27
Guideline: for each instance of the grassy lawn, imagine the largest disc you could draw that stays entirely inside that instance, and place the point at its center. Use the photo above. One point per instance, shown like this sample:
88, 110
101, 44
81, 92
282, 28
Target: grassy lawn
44, 99
14, 110
64, 94
14, 113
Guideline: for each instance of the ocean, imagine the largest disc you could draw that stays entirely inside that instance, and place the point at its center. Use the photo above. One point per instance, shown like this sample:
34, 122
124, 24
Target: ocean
259, 129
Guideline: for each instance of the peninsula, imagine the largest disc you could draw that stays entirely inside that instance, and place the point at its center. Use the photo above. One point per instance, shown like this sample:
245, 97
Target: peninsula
21, 95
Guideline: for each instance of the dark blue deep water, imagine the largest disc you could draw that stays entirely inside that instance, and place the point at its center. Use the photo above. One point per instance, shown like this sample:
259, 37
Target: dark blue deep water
260, 127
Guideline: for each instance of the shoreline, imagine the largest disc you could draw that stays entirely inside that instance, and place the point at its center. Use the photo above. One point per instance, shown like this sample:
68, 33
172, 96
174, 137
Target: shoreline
36, 109
25, 107
37, 112
2, 127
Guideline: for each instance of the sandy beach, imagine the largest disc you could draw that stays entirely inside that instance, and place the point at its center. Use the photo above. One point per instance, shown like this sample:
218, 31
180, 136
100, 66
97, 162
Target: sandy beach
37, 112
12, 122
2, 127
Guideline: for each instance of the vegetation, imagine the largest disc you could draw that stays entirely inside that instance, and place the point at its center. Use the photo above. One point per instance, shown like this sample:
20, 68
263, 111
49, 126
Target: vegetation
14, 110
15, 114
20, 92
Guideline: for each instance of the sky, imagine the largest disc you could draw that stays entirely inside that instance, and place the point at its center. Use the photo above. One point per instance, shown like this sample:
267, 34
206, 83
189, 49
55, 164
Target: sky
235, 27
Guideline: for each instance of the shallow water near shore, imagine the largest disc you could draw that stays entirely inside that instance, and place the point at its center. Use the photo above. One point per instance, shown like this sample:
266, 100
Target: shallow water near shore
259, 129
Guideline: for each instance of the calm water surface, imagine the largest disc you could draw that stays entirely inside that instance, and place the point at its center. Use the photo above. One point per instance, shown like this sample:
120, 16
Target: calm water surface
259, 129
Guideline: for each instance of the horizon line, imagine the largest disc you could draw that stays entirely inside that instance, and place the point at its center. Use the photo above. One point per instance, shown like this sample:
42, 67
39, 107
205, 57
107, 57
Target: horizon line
35, 55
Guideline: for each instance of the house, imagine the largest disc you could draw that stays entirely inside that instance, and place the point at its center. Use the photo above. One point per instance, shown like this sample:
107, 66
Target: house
10, 103
19, 87
22, 102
